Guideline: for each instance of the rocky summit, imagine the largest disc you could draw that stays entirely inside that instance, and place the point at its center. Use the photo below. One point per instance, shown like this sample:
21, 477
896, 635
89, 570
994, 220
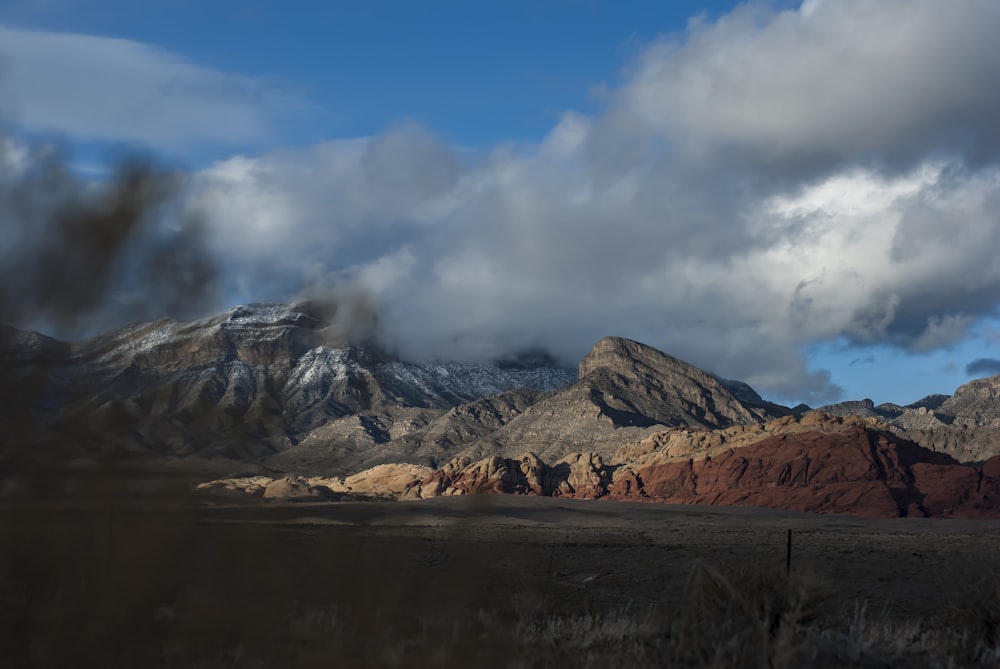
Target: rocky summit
278, 402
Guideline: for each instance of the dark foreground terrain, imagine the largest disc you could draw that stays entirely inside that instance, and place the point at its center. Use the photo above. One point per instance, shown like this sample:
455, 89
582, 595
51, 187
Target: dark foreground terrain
499, 581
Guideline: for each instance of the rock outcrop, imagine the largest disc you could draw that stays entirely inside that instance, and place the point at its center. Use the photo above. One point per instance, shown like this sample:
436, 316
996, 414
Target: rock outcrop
395, 481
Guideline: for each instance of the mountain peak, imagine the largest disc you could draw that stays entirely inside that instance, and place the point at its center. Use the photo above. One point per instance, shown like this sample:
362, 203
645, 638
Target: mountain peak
632, 359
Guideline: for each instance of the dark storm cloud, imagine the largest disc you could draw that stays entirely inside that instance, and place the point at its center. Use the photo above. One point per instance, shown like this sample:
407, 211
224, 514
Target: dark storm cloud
983, 367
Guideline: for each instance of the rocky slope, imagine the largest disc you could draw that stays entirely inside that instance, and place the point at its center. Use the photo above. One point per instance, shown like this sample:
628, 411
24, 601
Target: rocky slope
626, 391
965, 425
249, 384
275, 386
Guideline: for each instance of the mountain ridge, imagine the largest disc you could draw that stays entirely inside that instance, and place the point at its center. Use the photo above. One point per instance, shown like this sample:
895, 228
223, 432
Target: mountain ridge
280, 392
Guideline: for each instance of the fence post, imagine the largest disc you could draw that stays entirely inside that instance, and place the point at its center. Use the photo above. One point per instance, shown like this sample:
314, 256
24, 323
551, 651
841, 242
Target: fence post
788, 554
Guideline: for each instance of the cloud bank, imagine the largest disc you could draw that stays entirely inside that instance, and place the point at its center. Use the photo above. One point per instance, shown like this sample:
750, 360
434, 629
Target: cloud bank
755, 185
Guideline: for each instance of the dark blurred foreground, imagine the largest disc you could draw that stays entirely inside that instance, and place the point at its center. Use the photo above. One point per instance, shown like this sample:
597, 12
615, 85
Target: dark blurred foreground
492, 583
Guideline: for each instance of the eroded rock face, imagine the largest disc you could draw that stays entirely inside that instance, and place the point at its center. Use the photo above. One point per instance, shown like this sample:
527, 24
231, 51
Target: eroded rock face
495, 475
684, 442
580, 476
392, 481
822, 464
389, 480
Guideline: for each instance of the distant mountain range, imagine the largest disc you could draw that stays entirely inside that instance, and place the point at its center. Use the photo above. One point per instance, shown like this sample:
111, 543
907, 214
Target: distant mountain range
271, 391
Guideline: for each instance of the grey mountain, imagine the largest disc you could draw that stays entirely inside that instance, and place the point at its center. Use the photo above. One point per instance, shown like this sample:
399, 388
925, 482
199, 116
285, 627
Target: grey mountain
247, 384
277, 387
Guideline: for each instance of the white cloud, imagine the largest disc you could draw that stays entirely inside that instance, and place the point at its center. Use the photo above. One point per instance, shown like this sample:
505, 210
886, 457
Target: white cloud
835, 81
89, 87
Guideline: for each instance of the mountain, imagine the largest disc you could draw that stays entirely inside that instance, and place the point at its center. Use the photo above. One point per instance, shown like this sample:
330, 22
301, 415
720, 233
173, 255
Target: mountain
275, 401
277, 387
246, 385
625, 391
965, 425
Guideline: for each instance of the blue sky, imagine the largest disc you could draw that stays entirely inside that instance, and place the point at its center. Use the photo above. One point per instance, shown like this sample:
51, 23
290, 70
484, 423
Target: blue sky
801, 195
475, 72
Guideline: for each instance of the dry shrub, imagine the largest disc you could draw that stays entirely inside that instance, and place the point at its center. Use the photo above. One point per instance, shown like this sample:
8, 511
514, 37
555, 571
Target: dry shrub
743, 617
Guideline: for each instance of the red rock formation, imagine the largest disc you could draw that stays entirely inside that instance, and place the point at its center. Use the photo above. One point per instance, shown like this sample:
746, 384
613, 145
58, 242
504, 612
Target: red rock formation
856, 470
822, 466
849, 467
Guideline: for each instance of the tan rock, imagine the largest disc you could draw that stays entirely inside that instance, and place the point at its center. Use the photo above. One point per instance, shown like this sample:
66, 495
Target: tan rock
389, 480
295, 488
578, 475
493, 475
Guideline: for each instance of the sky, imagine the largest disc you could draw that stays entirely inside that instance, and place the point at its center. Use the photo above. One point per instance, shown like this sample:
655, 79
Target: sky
800, 195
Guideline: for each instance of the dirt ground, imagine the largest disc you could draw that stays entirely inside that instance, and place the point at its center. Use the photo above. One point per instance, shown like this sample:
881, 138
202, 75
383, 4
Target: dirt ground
130, 568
